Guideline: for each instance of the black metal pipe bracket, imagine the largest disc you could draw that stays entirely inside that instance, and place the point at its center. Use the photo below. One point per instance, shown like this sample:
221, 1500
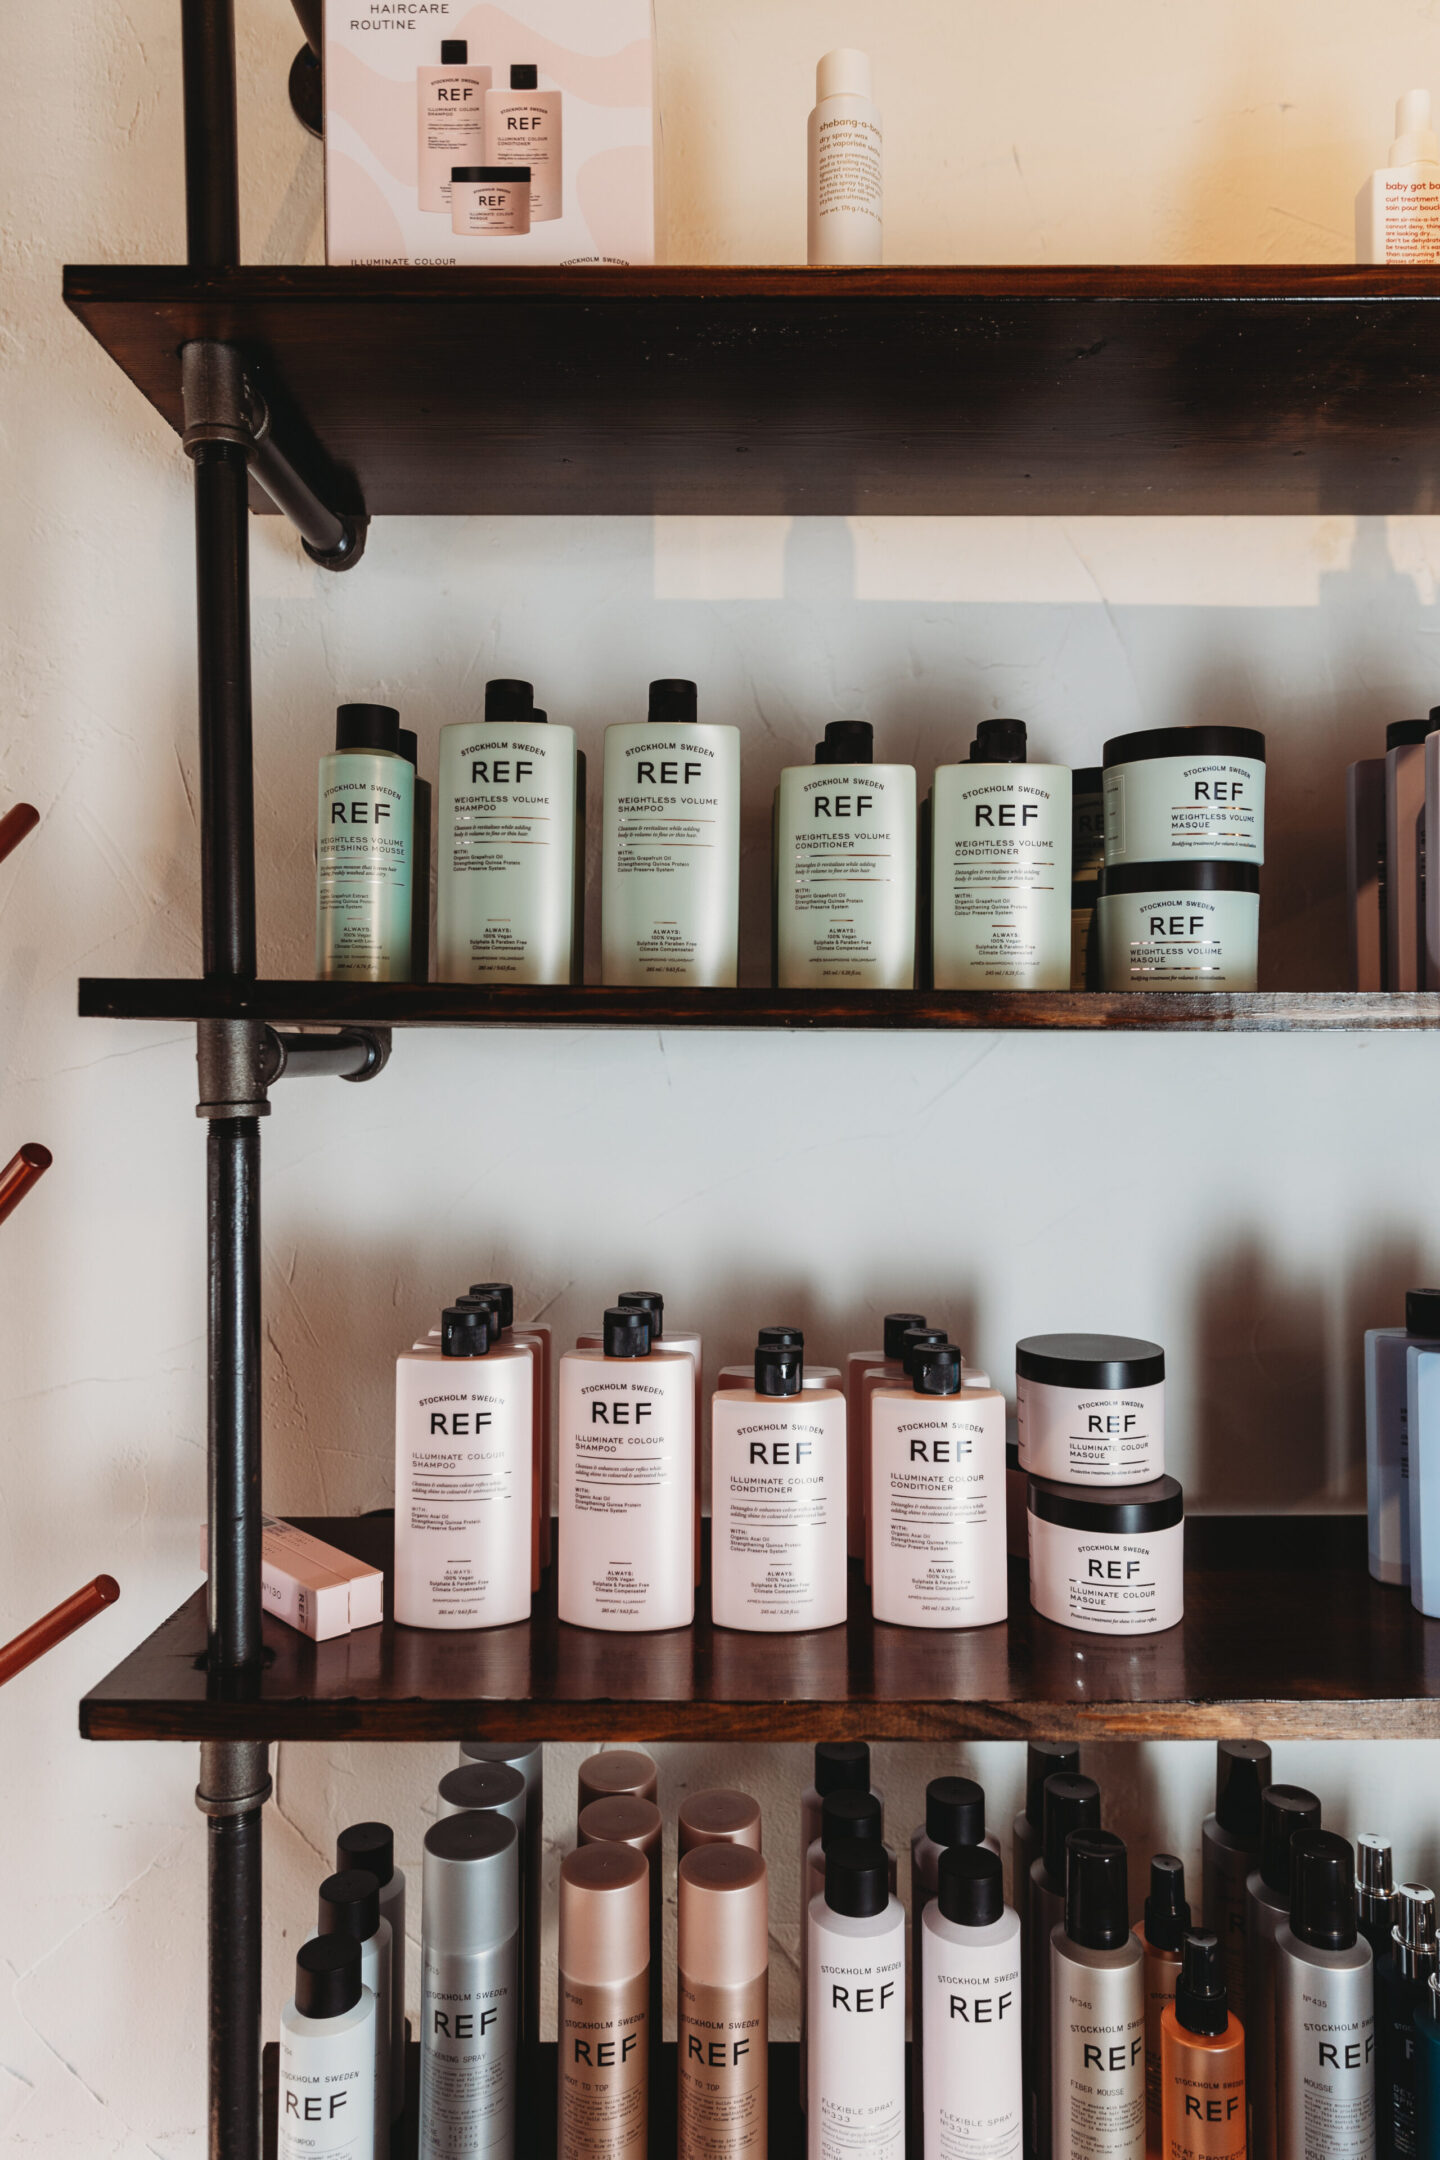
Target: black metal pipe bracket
232, 1058
234, 1777
339, 1053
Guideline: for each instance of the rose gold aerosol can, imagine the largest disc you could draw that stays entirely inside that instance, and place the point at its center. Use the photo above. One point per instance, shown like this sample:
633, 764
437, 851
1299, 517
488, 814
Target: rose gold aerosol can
722, 2004
603, 2051
625, 1819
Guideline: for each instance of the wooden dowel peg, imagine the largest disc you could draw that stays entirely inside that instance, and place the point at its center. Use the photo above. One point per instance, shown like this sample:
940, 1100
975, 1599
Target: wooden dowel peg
15, 824
56, 1625
28, 1164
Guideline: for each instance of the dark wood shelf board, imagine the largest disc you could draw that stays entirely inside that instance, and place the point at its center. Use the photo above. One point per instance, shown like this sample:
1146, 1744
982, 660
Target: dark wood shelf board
1285, 1635
1258, 389
330, 1004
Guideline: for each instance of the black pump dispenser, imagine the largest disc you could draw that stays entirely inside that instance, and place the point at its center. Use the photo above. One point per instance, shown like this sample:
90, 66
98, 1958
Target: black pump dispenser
1201, 2005
935, 1369
1097, 1896
627, 1331
972, 1886
847, 742
367, 727
1167, 1916
896, 1324
1285, 1810
999, 742
646, 1301
919, 1338
503, 1294
781, 1338
1322, 1891
779, 1370
673, 702
464, 1333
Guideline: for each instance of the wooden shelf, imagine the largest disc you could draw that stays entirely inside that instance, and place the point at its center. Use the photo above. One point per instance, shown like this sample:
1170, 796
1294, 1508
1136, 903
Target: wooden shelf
1285, 1636
912, 391
328, 1004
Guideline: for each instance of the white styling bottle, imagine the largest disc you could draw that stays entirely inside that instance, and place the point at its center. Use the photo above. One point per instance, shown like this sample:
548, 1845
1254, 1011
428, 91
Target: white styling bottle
349, 1905
1001, 854
327, 2056
845, 868
371, 1846
970, 1990
856, 2033
845, 225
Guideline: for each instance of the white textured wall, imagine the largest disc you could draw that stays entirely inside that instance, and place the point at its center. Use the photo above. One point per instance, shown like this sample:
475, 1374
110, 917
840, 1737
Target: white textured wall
1252, 1203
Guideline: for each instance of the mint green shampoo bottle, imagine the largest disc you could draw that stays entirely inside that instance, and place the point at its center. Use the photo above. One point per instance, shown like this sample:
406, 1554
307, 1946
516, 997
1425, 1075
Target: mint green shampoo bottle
365, 851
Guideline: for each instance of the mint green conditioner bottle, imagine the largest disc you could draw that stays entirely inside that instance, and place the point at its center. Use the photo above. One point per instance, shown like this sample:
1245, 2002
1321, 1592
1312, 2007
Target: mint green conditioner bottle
365, 851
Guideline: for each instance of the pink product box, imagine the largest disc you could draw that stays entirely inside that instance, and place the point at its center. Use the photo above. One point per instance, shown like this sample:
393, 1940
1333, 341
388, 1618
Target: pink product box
313, 1587
418, 91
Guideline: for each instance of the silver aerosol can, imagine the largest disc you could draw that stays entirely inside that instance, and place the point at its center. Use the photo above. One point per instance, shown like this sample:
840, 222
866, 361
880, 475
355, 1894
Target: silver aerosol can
1285, 1811
1324, 2010
469, 1987
1097, 2009
1070, 1802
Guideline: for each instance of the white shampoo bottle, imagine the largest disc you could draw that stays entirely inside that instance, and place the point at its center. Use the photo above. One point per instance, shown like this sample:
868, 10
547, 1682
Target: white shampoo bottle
937, 1469
450, 102
1000, 877
327, 2056
845, 868
846, 202
856, 2032
1397, 212
970, 1988
350, 1905
778, 1561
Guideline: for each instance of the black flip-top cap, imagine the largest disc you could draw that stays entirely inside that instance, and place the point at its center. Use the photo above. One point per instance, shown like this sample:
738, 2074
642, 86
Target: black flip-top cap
626, 1331
1071, 1802
1045, 1759
350, 1904
1285, 1810
972, 1886
503, 1294
857, 1879
1322, 1890
1242, 1772
896, 1324
999, 742
1422, 1313
464, 1332
779, 1369
1400, 732
781, 1338
674, 702
327, 1976
919, 1338
508, 701
1097, 1891
648, 1301
842, 1766
408, 744
454, 51
524, 75
367, 727
847, 742
1185, 742
936, 1369
1089, 1361
368, 1845
955, 1811
1167, 1915
854, 1815
1200, 1999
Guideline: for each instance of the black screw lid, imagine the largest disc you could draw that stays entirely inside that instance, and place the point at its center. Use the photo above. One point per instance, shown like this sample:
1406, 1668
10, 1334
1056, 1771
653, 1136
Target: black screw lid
350, 1904
673, 702
919, 1338
1045, 1759
463, 1332
493, 175
648, 1301
367, 727
894, 1337
1071, 1802
847, 742
627, 1332
1322, 1890
972, 1885
503, 1294
1400, 732
1242, 1772
781, 1338
955, 1811
1087, 779
857, 1879
1200, 2000
778, 1371
508, 702
368, 1845
1422, 1313
1284, 1811
842, 1766
935, 1369
1097, 1890
408, 744
999, 742
524, 76
854, 1815
454, 51
1167, 1915
327, 1976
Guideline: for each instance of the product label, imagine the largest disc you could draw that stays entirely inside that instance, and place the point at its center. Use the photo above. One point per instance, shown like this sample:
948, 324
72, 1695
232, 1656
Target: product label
722, 2047
972, 2076
1206, 2105
1409, 217
523, 128
1325, 2067
627, 1491
846, 181
670, 901
1178, 940
1211, 807
507, 852
364, 849
937, 1480
778, 1486
463, 1468
603, 2049
856, 2044
845, 888
327, 2089
468, 2037
450, 104
1001, 878
1097, 2077
1091, 1437
1107, 1585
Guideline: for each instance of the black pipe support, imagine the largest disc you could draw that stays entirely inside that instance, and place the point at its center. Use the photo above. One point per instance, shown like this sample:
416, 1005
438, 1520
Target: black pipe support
227, 790
233, 1902
344, 1054
212, 161
233, 1590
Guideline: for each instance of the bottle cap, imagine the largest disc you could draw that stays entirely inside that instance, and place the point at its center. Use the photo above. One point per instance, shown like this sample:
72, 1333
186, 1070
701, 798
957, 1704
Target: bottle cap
367, 727
1167, 1916
843, 73
1242, 1772
954, 1811
778, 1371
842, 1766
464, 1333
935, 1369
896, 1324
857, 1816
918, 1338
1400, 732
1422, 1314
1097, 1893
524, 75
538, 718
649, 1301
327, 1976
503, 1294
999, 742
723, 1918
368, 1845
720, 1817
1071, 1803
604, 1914
781, 1338
1415, 142
972, 1885
1284, 1811
847, 742
857, 1878
617, 1770
508, 702
350, 1904
1200, 1999
621, 1819
1322, 1890
673, 702
627, 1332
1413, 1936
454, 51
1374, 1867
489, 1787
1045, 1759
407, 743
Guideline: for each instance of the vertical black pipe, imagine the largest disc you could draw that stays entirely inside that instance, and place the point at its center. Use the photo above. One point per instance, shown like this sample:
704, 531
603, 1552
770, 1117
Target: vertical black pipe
234, 1916
212, 165
227, 789
233, 1166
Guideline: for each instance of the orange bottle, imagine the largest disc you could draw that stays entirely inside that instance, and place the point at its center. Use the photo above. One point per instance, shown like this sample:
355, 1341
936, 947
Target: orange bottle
1202, 2061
